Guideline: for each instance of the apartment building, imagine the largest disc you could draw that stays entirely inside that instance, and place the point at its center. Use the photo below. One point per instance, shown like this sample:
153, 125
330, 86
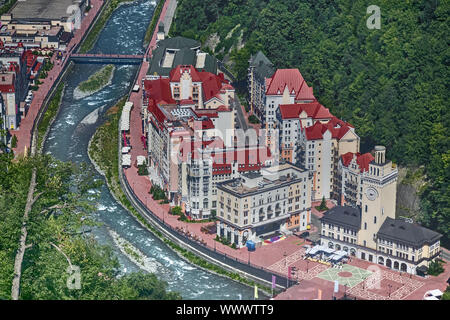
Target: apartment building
286, 86
8, 92
320, 147
349, 175
259, 205
205, 164
371, 232
260, 69
291, 119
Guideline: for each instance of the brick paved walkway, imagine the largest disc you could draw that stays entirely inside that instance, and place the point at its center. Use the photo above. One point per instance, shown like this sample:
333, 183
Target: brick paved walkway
23, 134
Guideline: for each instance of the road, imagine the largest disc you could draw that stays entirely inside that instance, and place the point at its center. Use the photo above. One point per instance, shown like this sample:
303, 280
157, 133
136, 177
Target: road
240, 115
169, 16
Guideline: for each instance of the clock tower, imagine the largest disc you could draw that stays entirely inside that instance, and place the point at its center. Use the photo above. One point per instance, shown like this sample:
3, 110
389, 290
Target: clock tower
379, 188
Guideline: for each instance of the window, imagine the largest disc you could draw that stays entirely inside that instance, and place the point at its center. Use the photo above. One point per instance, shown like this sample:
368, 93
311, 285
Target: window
375, 220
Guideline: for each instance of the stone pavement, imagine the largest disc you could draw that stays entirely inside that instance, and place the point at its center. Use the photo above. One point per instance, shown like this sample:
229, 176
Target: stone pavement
23, 134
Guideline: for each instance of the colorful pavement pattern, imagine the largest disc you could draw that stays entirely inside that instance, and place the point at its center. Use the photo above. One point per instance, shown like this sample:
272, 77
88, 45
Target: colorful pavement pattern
348, 276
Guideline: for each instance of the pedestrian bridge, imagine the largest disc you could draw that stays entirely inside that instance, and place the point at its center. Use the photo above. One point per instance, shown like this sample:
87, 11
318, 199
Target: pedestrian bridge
106, 58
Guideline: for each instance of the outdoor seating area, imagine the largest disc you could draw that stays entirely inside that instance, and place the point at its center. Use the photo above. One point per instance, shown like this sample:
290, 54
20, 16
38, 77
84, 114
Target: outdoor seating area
325, 255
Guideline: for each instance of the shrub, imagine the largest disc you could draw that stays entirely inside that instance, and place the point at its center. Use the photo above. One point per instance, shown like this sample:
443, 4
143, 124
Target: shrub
253, 119
176, 211
436, 267
142, 170
323, 205
13, 141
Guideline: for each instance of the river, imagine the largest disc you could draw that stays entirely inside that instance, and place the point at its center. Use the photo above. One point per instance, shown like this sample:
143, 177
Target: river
68, 139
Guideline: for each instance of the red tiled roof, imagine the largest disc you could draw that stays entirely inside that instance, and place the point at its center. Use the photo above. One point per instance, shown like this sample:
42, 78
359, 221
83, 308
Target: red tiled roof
203, 124
175, 73
305, 93
363, 160
292, 78
211, 84
223, 108
156, 111
210, 113
314, 110
337, 128
7, 88
187, 102
314, 132
227, 86
347, 158
159, 90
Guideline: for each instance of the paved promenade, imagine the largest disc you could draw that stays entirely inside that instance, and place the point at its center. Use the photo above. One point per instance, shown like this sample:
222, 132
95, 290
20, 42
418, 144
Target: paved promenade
26, 125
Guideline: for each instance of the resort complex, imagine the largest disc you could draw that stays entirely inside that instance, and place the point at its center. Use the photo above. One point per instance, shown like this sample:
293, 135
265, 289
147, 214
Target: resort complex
255, 171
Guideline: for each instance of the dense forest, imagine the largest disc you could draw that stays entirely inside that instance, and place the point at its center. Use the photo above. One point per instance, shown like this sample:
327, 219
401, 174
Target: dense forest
58, 226
390, 83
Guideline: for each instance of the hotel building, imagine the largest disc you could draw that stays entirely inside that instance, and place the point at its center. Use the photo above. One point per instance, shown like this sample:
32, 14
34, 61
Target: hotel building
259, 205
371, 232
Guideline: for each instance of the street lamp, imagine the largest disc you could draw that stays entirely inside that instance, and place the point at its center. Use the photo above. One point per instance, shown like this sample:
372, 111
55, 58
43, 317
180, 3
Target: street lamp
307, 263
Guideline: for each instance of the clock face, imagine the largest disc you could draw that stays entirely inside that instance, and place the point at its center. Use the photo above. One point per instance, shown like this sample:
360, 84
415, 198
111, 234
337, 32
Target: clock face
371, 194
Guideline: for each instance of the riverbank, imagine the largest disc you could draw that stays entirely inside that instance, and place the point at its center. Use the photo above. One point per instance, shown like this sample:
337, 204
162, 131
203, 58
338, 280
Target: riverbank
102, 151
95, 82
152, 25
91, 38
49, 115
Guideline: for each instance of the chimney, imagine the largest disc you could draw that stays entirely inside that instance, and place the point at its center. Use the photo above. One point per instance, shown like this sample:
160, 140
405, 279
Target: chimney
380, 154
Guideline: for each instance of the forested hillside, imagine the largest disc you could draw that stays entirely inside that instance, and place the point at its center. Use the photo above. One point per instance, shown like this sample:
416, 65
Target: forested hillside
59, 235
391, 84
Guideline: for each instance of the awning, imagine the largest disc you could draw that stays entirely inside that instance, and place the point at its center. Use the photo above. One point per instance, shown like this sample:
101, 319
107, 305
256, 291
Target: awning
140, 160
126, 160
422, 268
125, 118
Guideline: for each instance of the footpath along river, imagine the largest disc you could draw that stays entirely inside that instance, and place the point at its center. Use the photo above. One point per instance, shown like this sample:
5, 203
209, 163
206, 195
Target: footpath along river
68, 139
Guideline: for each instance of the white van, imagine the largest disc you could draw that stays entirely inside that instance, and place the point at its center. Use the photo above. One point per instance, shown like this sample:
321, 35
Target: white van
136, 88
